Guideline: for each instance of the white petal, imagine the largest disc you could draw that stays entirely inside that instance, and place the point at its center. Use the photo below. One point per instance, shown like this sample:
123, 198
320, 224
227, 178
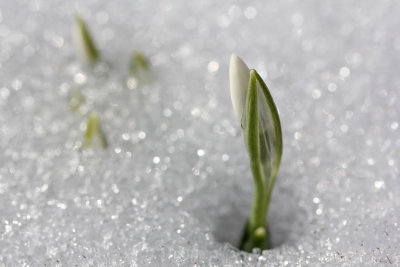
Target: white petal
239, 75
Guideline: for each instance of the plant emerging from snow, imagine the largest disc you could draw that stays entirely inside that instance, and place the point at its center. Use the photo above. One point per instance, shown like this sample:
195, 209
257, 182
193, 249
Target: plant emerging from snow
85, 46
94, 136
258, 117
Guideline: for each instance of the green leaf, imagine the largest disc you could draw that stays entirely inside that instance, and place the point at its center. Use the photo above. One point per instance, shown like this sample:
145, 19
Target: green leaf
139, 68
138, 63
270, 135
263, 137
94, 135
251, 135
84, 42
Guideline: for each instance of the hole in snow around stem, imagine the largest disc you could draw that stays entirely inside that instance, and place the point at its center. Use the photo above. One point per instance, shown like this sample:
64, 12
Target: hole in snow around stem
227, 211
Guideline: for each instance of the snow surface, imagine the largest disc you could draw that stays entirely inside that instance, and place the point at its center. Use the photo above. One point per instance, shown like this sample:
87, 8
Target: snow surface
174, 186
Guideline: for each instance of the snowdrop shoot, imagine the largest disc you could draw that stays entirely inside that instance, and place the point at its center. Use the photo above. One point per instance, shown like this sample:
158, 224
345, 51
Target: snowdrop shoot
94, 136
258, 117
140, 68
84, 44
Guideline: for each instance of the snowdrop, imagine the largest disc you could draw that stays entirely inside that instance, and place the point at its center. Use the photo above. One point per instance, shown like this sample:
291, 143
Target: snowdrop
258, 116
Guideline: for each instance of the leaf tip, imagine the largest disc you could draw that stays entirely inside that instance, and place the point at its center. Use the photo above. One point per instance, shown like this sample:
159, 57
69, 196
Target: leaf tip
94, 135
85, 46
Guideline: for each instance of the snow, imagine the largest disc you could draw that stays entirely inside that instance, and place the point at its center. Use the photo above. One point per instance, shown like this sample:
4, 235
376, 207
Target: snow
174, 187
